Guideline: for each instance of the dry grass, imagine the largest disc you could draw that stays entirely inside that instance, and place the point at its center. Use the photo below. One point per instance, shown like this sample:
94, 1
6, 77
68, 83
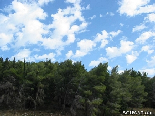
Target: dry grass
49, 113
29, 113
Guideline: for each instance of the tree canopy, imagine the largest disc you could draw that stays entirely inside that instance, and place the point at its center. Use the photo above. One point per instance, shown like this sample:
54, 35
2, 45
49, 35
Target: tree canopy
69, 87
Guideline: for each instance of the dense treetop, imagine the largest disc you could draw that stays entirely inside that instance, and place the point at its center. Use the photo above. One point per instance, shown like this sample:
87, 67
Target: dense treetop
69, 87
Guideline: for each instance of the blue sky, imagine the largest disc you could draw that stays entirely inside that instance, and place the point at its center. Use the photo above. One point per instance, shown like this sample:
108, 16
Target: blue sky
120, 32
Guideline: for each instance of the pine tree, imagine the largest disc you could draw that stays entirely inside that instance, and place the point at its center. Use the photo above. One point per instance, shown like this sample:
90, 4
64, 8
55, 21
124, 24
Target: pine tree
113, 93
24, 69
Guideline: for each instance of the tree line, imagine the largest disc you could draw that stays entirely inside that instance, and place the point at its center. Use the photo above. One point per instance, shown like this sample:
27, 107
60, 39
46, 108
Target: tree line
68, 87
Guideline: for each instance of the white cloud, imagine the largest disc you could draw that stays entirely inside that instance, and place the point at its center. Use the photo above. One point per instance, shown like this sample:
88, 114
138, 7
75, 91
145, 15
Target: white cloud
121, 24
36, 50
110, 13
138, 28
94, 16
109, 68
4, 48
44, 56
120, 71
25, 53
27, 11
150, 71
96, 62
69, 54
23, 27
77, 29
73, 1
63, 26
147, 49
112, 52
42, 2
101, 15
132, 57
103, 37
85, 46
4, 40
114, 34
151, 63
38, 2
53, 43
146, 9
23, 24
79, 53
144, 36
135, 7
125, 47
151, 17
88, 7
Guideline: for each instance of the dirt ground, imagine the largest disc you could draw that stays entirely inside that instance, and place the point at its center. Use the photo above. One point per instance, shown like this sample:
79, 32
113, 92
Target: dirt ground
50, 113
29, 113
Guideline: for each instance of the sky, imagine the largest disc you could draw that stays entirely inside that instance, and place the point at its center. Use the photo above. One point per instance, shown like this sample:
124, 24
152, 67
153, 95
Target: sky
120, 32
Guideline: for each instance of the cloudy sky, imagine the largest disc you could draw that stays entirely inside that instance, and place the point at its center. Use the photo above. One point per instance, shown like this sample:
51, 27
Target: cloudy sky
120, 32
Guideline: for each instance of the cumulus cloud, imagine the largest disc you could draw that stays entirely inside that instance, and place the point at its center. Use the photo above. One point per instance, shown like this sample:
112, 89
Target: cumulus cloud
96, 62
145, 36
114, 34
73, 1
101, 15
112, 52
151, 63
150, 17
125, 47
102, 38
132, 57
120, 71
138, 28
85, 46
147, 48
79, 53
63, 26
44, 56
110, 13
99, 36
121, 24
109, 68
69, 54
44, 2
24, 27
104, 35
23, 24
53, 43
150, 71
88, 7
94, 16
135, 7
24, 53
4, 39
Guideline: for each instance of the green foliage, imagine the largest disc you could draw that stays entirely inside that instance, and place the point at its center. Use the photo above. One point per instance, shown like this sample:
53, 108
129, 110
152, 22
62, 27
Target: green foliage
67, 86
137, 92
87, 93
113, 93
97, 101
100, 89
